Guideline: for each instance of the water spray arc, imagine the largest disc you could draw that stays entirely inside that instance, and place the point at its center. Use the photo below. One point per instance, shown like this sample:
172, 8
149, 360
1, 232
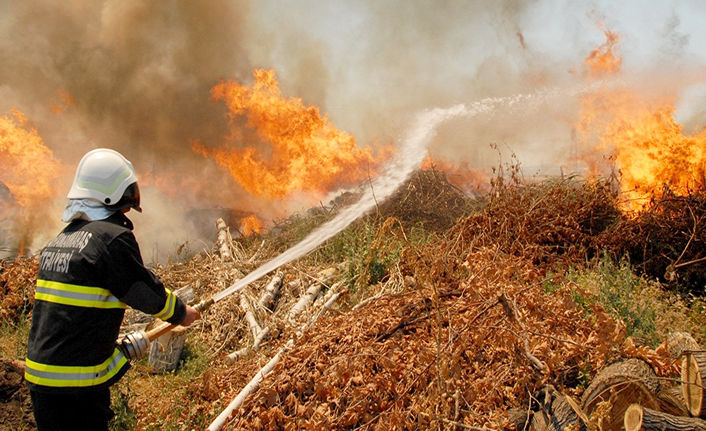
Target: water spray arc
410, 157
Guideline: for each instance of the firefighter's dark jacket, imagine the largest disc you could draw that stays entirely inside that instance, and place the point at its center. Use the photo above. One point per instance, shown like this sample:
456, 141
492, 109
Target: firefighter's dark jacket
87, 276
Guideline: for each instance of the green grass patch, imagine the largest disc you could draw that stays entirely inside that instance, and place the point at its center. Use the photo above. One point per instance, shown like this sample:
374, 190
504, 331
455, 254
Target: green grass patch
648, 311
168, 407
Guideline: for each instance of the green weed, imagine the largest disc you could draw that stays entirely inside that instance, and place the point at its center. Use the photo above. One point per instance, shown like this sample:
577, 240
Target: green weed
648, 311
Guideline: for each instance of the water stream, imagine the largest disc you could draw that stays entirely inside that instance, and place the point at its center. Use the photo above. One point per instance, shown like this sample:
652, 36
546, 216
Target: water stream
409, 158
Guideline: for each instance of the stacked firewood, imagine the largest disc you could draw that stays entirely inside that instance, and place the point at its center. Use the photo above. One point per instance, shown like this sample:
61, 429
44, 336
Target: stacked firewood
627, 395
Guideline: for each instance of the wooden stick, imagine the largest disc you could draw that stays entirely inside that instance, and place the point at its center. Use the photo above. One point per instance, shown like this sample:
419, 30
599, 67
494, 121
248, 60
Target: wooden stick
366, 301
233, 357
251, 387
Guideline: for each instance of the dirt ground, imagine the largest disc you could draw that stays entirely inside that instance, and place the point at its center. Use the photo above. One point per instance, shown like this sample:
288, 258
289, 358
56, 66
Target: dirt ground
15, 404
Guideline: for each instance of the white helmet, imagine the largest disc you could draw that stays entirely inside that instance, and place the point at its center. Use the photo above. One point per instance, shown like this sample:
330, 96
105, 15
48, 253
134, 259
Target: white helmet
108, 177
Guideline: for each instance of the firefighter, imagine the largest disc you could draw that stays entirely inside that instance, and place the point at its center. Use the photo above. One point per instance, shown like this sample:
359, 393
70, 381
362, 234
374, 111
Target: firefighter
87, 276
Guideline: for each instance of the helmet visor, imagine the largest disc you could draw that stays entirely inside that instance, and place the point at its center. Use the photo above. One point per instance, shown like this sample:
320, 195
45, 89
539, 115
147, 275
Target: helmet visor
130, 199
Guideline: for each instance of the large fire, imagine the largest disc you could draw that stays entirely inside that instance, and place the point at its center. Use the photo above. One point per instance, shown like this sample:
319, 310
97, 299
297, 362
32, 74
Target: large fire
638, 131
278, 146
30, 172
27, 167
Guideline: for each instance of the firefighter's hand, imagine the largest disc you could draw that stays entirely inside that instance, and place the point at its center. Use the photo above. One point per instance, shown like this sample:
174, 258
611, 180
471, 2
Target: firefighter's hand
191, 316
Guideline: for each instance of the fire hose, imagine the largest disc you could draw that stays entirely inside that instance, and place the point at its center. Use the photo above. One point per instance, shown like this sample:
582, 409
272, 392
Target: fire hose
136, 344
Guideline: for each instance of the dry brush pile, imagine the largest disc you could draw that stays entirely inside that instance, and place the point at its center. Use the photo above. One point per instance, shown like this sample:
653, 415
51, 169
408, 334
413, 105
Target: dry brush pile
667, 238
443, 354
456, 331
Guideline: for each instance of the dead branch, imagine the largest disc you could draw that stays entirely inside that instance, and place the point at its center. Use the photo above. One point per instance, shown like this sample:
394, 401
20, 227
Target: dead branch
270, 292
233, 357
255, 327
305, 301
223, 240
218, 423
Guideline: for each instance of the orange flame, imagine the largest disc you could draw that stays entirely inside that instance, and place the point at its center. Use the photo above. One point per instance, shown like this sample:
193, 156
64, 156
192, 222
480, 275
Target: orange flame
27, 167
288, 147
603, 60
251, 224
30, 172
639, 133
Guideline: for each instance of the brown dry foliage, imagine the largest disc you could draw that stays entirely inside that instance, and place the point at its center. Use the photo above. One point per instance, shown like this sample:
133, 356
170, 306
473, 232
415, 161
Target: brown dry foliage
15, 403
462, 351
426, 199
666, 239
17, 281
550, 222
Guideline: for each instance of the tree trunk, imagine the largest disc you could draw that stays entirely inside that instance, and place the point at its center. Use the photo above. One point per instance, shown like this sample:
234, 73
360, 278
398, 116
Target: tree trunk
693, 370
632, 381
642, 418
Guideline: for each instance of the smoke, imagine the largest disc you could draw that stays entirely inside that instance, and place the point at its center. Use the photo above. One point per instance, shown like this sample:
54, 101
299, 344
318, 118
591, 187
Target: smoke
138, 75
135, 75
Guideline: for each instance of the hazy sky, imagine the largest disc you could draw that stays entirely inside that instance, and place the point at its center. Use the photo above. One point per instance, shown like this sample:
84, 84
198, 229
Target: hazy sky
139, 74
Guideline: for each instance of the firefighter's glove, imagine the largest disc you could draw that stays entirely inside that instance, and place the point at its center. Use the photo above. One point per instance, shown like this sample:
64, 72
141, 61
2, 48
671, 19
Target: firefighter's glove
134, 345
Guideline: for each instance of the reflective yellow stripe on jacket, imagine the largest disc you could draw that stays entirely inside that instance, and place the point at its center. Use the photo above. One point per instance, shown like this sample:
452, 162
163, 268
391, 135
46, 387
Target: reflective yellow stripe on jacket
169, 306
79, 296
74, 376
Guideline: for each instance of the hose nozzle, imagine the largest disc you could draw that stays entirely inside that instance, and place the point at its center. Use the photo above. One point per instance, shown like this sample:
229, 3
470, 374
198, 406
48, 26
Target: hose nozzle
203, 305
134, 345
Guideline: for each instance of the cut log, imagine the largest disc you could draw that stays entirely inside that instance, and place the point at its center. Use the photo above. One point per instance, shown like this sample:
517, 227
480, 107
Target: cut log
165, 351
638, 418
557, 412
622, 384
693, 370
270, 292
305, 301
312, 293
671, 401
564, 415
680, 342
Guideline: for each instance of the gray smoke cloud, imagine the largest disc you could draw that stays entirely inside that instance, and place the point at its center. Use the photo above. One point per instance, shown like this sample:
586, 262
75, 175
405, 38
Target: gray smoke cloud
139, 74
